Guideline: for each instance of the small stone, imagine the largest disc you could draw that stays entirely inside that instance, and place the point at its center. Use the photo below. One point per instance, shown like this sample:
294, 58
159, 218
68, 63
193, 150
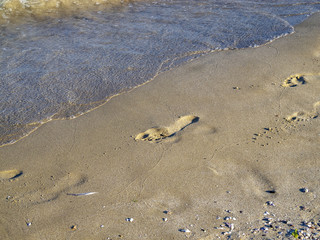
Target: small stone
231, 227
164, 219
227, 218
167, 212
228, 225
29, 224
203, 230
73, 227
219, 227
305, 190
186, 230
271, 191
129, 219
102, 226
269, 203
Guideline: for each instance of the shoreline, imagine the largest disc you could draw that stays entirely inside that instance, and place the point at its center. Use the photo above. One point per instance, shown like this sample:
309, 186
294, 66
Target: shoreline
253, 149
197, 55
8, 140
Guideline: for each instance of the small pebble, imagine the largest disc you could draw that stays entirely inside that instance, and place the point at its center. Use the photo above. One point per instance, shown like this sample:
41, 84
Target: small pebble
184, 230
271, 191
129, 219
231, 227
29, 224
305, 190
269, 203
228, 225
102, 226
164, 219
167, 212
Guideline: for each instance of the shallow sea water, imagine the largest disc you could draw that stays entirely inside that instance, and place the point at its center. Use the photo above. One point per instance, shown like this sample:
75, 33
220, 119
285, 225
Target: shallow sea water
61, 58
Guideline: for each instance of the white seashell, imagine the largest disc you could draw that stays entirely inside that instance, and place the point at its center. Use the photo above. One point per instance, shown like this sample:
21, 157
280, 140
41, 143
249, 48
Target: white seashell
231, 227
81, 194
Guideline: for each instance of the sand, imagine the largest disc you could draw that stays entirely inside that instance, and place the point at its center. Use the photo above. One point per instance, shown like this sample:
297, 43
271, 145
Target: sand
231, 148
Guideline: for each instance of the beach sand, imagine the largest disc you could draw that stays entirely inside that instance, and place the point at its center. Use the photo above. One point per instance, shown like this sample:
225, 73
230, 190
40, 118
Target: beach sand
225, 146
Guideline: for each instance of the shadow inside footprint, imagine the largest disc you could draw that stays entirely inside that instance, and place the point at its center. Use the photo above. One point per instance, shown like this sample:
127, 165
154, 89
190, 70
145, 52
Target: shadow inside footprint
156, 134
294, 81
10, 174
297, 116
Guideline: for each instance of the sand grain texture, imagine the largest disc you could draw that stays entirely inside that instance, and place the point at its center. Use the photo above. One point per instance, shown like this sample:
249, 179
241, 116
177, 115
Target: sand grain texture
256, 143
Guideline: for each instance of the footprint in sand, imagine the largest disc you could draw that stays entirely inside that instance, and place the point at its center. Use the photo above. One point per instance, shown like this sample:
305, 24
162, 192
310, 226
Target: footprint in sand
294, 81
54, 190
10, 174
298, 116
260, 185
156, 134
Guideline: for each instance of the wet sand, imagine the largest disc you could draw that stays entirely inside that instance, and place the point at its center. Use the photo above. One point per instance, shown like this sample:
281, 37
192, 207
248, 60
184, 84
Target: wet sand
227, 145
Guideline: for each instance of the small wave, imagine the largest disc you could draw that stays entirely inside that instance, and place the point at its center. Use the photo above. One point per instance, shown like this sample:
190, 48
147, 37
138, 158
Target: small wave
13, 9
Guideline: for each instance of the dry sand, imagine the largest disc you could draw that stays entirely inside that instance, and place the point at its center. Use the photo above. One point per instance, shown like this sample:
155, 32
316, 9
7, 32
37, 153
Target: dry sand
249, 134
